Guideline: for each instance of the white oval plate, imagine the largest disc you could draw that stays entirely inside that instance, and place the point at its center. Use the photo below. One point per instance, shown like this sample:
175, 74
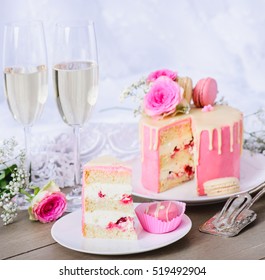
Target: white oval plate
67, 232
252, 172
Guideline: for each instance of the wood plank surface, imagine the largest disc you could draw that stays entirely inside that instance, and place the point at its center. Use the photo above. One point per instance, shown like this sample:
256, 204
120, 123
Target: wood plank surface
26, 240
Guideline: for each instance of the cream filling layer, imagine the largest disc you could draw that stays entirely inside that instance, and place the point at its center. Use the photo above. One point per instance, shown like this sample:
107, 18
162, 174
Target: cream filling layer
175, 166
168, 148
102, 218
111, 191
164, 173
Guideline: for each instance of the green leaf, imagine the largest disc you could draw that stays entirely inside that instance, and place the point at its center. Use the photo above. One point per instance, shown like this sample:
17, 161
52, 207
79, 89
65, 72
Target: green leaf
29, 196
36, 190
2, 174
3, 183
9, 170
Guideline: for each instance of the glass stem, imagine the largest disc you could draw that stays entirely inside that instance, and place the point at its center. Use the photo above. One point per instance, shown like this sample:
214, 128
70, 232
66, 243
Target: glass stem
77, 169
27, 151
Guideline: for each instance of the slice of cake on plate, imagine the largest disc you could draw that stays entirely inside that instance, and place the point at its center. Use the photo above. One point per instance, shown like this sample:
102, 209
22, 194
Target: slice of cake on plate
107, 204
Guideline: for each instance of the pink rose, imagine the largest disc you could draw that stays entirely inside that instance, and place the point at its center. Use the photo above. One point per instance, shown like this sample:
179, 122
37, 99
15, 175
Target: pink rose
48, 204
163, 72
50, 208
162, 98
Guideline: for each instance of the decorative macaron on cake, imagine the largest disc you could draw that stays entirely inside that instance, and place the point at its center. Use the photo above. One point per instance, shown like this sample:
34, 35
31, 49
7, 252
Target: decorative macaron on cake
205, 92
185, 135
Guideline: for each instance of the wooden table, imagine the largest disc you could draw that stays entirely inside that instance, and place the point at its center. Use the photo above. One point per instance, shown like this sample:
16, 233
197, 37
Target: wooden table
25, 240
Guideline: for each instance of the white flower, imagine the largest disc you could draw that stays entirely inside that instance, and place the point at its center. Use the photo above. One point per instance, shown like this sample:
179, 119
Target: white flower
17, 182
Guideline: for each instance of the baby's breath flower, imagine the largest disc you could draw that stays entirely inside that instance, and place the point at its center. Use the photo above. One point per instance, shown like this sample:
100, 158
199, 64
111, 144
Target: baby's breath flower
221, 101
13, 181
7, 150
136, 91
255, 139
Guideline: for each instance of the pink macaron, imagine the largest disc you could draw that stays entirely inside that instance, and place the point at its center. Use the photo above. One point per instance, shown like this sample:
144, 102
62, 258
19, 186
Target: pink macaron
205, 92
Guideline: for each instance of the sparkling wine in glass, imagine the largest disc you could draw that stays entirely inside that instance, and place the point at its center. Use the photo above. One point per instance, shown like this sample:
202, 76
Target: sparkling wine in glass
25, 74
75, 76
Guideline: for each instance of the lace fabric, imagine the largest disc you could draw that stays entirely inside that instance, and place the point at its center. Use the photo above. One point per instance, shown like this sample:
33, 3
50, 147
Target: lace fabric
52, 157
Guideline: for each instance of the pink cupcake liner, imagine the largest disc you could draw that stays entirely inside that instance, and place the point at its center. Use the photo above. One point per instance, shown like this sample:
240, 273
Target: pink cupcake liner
154, 225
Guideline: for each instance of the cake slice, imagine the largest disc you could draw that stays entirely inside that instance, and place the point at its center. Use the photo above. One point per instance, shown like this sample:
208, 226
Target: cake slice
107, 204
167, 153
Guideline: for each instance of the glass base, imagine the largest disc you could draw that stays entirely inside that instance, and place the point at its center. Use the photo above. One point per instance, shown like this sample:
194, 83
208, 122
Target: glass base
22, 203
74, 201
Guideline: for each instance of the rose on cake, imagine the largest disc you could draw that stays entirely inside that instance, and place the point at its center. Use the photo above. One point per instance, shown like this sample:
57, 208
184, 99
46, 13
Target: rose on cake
163, 97
162, 93
161, 73
48, 204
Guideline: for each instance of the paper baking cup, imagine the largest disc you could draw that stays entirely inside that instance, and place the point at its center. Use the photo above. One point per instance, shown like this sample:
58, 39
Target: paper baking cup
154, 225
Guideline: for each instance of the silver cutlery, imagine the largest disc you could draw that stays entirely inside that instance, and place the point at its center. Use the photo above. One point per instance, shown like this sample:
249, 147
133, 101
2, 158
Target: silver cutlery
235, 215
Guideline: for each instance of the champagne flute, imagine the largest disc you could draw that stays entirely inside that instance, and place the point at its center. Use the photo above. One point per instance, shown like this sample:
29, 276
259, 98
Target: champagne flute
75, 76
25, 75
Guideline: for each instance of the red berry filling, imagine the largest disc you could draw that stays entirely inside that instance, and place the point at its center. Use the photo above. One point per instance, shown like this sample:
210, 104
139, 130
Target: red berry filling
126, 199
176, 149
174, 175
101, 195
190, 145
189, 170
121, 220
186, 146
118, 223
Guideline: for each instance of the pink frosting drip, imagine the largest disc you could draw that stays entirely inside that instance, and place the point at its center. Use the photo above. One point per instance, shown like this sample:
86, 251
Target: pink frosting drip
226, 164
151, 181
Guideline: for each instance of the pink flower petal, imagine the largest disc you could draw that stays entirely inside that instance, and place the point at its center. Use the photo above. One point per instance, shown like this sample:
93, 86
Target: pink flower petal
162, 98
50, 208
159, 73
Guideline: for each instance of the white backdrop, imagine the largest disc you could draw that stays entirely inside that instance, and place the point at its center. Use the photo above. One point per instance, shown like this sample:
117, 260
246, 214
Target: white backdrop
224, 39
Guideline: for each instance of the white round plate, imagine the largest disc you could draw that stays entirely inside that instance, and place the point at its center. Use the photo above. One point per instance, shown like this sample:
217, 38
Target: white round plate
67, 232
252, 172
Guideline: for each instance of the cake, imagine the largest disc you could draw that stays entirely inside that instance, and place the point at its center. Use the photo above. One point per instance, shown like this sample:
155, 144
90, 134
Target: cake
206, 145
107, 204
181, 140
